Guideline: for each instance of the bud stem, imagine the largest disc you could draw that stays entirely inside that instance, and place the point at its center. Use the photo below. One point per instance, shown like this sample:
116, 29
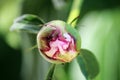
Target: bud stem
75, 11
51, 72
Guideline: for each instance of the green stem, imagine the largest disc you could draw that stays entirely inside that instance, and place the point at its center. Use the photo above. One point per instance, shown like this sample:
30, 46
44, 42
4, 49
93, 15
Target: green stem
51, 72
75, 11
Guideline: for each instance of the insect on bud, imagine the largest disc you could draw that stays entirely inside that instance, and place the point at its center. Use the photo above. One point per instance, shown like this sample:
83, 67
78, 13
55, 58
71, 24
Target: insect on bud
57, 42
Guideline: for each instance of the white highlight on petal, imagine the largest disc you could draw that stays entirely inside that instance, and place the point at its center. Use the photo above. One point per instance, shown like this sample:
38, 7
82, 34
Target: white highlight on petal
67, 36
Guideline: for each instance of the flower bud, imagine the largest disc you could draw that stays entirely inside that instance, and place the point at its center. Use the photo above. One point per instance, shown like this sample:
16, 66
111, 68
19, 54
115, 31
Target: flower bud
58, 42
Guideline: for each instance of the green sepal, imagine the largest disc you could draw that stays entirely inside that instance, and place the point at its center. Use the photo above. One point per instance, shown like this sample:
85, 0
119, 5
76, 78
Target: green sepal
27, 22
88, 64
75, 34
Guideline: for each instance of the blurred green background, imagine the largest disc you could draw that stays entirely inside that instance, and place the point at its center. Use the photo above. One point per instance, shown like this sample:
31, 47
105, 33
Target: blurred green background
98, 25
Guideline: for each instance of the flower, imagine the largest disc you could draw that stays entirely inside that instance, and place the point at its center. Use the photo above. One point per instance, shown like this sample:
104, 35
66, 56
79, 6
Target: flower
57, 42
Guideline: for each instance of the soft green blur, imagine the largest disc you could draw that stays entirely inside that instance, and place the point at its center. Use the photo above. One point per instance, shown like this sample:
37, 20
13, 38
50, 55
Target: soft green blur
10, 54
9, 10
101, 35
99, 27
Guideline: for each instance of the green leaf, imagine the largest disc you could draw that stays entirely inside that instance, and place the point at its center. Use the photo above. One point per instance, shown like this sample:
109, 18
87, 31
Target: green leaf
75, 34
27, 22
88, 64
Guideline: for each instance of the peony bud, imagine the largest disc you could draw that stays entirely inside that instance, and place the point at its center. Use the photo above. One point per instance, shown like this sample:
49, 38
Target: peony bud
58, 42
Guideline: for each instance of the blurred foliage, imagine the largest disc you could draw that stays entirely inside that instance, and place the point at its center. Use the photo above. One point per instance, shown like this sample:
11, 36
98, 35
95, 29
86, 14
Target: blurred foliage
10, 59
9, 10
101, 35
99, 26
10, 62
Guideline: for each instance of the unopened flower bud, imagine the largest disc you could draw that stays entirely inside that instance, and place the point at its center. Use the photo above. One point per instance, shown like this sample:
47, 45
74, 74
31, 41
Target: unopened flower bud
58, 42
